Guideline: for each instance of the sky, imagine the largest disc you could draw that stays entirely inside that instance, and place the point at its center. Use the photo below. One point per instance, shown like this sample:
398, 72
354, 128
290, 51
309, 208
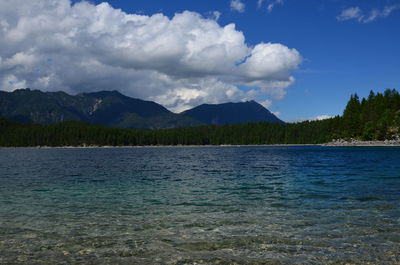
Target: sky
300, 59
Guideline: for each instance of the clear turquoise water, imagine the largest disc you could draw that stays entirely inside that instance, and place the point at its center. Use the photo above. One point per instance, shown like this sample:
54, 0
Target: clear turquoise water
200, 205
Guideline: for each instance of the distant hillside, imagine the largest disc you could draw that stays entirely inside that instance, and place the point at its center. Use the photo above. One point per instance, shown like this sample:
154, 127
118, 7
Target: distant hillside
109, 108
231, 113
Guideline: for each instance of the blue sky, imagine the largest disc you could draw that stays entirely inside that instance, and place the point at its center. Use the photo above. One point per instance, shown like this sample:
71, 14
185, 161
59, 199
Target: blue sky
340, 57
346, 46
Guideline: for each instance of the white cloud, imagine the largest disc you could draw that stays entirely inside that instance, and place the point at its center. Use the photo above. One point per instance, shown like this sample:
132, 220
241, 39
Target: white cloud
322, 117
260, 3
180, 62
10, 82
266, 103
215, 15
350, 13
267, 60
237, 5
389, 9
357, 14
317, 118
273, 3
376, 13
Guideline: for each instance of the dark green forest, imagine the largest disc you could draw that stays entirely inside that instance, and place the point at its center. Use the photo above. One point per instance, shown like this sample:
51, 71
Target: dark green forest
374, 118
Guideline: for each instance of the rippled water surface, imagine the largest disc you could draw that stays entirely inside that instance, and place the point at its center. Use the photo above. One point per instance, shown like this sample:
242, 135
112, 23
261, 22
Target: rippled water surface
200, 205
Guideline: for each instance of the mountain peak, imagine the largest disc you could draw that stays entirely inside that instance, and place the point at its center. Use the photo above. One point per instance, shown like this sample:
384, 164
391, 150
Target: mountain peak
232, 113
111, 108
104, 93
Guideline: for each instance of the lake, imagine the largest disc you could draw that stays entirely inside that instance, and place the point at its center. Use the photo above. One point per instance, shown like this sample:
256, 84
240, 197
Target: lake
200, 205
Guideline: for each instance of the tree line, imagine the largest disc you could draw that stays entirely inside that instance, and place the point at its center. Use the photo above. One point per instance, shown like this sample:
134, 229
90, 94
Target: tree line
374, 118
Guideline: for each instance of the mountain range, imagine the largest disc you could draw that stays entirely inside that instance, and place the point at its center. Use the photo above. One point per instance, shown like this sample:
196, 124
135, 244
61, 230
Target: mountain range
111, 108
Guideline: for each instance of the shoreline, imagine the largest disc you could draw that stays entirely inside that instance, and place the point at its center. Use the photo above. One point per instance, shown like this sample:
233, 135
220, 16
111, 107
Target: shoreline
353, 142
146, 146
337, 143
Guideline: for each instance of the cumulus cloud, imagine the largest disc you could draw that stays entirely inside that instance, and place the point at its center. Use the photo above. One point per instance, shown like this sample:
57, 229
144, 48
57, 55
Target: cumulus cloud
357, 14
237, 5
180, 62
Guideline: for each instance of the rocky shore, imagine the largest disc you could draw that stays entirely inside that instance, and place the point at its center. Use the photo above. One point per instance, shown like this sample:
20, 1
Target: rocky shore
355, 142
